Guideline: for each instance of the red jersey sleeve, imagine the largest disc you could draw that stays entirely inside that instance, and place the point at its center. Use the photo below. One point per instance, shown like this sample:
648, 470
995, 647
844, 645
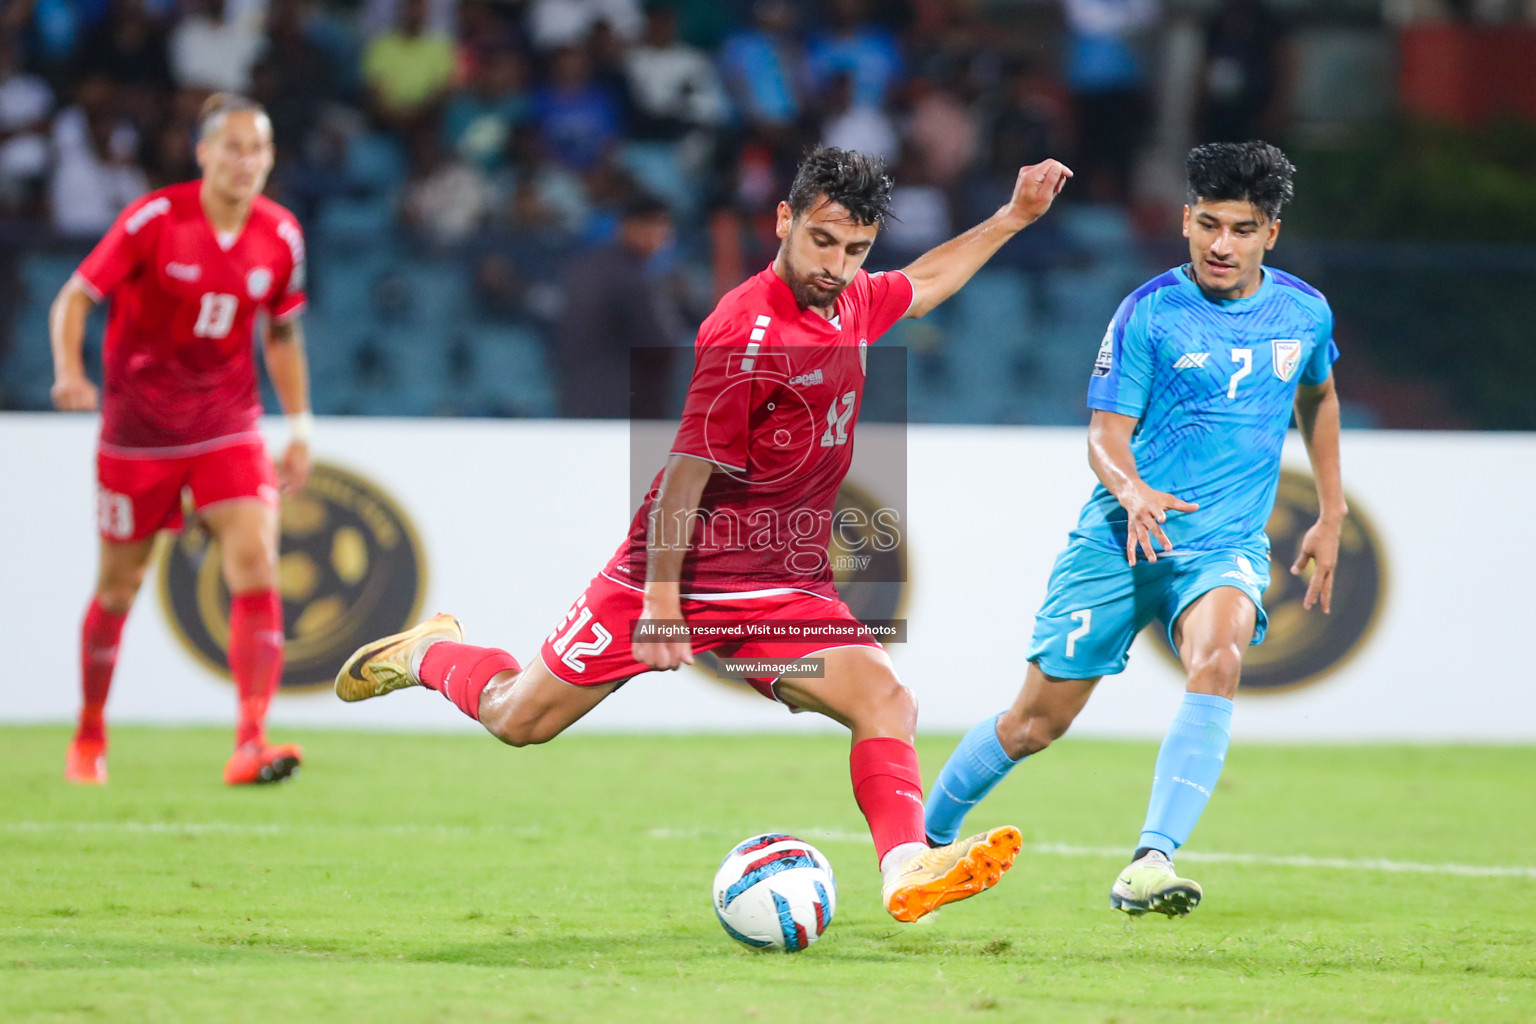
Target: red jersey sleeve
890, 296
289, 298
124, 248
718, 409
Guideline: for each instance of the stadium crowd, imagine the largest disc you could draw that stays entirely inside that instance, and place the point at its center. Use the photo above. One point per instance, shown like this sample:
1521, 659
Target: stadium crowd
486, 142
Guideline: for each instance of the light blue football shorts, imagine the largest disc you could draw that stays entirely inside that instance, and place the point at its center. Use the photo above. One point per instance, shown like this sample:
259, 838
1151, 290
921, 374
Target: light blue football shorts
1096, 604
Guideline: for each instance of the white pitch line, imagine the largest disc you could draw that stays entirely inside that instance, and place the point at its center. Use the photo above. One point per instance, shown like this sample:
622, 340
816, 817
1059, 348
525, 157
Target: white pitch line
817, 834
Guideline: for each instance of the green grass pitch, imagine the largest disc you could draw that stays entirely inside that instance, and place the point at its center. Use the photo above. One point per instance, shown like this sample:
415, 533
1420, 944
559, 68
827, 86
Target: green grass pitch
446, 878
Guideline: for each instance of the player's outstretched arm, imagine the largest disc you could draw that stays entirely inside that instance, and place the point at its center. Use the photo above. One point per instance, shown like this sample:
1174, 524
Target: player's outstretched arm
1109, 453
288, 366
943, 270
1317, 414
72, 389
669, 535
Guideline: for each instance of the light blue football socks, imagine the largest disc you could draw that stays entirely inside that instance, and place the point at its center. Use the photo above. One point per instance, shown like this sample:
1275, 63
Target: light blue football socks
978, 764
1188, 766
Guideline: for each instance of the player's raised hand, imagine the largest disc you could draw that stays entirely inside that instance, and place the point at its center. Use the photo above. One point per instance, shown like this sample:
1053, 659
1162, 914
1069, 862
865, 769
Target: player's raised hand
1320, 546
1146, 510
1035, 189
663, 653
74, 393
293, 467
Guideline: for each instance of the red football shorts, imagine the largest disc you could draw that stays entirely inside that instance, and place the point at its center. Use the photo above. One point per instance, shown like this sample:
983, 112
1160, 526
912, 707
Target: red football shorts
592, 645
135, 497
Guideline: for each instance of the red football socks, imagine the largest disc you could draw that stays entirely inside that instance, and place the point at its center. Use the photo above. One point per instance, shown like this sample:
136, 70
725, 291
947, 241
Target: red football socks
255, 658
461, 672
99, 638
889, 790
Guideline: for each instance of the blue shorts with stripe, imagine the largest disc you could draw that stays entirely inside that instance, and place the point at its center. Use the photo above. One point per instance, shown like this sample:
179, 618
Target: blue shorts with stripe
1096, 603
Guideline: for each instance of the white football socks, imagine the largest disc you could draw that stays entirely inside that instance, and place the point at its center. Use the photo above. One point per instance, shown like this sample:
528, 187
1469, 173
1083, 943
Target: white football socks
898, 857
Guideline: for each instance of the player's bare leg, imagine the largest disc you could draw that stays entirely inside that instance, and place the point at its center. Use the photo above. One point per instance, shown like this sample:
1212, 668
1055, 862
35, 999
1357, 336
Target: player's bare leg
519, 706
1042, 712
861, 690
247, 531
119, 574
1211, 635
535, 705
1044, 709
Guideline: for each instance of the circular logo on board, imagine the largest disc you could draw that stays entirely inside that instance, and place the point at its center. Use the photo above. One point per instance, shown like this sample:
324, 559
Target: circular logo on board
868, 556
350, 570
1302, 647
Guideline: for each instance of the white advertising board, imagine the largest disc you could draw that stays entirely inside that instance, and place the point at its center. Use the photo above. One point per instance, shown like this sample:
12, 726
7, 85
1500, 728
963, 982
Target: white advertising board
511, 519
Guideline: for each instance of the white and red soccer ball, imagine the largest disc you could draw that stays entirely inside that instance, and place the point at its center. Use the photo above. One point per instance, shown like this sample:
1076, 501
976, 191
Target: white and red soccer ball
775, 892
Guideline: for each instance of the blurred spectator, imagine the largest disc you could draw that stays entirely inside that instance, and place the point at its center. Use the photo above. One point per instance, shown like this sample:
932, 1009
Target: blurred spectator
863, 127
295, 78
553, 24
445, 199
52, 31
848, 45
211, 48
1029, 124
1245, 82
409, 69
172, 156
25, 103
673, 85
1108, 82
615, 353
541, 195
920, 214
478, 122
94, 174
128, 47
485, 30
944, 133
579, 120
763, 67
381, 16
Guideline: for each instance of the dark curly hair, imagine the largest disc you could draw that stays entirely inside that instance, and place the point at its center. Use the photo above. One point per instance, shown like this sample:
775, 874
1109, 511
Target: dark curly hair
1255, 172
857, 182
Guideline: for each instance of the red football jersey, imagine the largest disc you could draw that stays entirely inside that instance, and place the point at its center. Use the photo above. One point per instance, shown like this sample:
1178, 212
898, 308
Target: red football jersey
179, 367
773, 402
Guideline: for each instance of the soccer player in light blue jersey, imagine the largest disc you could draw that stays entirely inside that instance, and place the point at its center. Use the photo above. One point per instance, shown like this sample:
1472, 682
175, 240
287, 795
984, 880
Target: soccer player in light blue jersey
1192, 393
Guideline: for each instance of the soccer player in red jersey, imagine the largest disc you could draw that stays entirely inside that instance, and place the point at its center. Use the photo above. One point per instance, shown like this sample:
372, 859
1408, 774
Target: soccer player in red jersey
735, 529
188, 268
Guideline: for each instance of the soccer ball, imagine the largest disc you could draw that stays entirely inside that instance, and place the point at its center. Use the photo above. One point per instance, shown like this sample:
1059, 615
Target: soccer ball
774, 892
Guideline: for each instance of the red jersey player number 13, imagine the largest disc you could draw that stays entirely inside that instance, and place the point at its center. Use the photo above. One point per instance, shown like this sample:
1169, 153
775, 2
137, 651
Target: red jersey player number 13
189, 270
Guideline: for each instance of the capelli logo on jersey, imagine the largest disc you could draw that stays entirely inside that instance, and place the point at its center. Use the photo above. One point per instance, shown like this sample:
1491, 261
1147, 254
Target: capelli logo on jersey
183, 271
1303, 647
350, 569
814, 377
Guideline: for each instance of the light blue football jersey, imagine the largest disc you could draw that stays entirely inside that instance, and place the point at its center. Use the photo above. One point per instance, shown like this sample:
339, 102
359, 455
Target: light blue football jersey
1213, 383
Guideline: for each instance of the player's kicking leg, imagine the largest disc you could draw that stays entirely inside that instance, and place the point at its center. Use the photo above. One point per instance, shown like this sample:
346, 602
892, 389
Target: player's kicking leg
519, 706
246, 529
120, 572
860, 689
1211, 635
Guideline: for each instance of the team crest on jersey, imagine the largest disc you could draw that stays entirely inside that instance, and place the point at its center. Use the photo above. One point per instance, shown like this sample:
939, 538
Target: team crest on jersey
1106, 357
258, 282
1286, 357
